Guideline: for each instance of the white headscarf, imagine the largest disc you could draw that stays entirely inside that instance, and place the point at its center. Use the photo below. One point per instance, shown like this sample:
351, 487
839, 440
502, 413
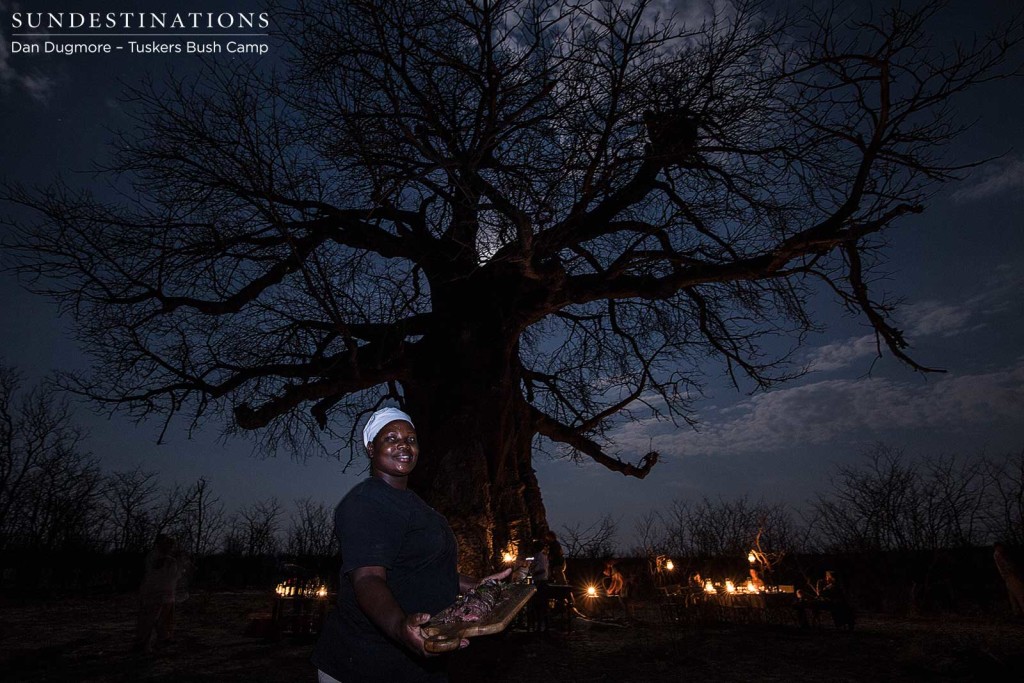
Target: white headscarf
381, 418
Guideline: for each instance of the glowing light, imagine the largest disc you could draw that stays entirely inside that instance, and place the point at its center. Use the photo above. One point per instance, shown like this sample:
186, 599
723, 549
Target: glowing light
669, 565
730, 587
591, 592
709, 587
322, 592
751, 588
508, 557
751, 557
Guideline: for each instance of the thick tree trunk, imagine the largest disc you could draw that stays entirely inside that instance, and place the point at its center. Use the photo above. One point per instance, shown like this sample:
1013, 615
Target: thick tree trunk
475, 460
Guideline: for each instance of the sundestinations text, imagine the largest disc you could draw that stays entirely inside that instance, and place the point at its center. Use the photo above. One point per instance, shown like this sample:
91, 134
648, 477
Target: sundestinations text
139, 20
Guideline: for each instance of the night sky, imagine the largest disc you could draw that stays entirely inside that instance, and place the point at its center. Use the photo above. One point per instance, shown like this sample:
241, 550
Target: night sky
959, 268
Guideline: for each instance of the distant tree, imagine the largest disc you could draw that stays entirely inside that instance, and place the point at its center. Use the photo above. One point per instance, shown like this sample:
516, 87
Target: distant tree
866, 508
517, 218
956, 501
312, 530
129, 499
592, 542
203, 521
254, 529
649, 538
233, 542
48, 484
1006, 509
60, 511
724, 528
170, 513
887, 501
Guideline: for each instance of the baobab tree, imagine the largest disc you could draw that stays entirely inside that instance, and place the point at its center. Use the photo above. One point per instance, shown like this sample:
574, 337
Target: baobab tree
521, 220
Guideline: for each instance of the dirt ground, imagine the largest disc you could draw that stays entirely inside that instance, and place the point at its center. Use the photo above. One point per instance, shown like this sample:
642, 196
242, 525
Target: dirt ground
218, 639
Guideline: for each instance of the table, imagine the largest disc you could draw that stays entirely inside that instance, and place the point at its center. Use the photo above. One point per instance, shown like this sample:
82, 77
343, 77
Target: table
603, 606
744, 607
299, 614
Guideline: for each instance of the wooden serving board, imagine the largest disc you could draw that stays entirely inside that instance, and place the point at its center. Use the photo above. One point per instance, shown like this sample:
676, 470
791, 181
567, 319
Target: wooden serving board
446, 637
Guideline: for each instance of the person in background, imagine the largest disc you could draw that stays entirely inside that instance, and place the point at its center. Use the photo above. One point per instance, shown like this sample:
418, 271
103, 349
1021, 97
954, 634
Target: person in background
803, 604
694, 589
829, 589
556, 558
616, 582
398, 566
540, 573
756, 580
832, 598
1012, 577
165, 564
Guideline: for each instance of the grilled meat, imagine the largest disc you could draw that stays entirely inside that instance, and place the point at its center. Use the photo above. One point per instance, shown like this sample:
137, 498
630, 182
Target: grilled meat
474, 605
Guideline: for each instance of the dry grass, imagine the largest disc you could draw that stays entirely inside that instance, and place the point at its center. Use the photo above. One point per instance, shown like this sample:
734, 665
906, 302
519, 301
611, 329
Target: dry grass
90, 640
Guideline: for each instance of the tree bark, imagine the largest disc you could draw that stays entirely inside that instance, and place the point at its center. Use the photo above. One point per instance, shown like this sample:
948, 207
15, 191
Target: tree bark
476, 440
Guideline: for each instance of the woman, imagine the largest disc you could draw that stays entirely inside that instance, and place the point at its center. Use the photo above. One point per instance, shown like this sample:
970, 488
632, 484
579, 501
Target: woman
398, 567
755, 579
164, 567
616, 582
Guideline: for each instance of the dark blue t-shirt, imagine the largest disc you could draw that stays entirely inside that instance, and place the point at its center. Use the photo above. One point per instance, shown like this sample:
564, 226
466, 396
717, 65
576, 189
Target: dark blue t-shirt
379, 525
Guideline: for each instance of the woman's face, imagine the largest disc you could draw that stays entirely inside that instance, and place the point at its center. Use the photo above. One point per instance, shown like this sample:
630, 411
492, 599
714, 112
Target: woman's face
394, 451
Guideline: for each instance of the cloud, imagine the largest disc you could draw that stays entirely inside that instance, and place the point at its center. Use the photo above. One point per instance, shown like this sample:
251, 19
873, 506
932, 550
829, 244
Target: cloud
834, 411
998, 294
930, 318
1001, 291
923, 319
37, 86
997, 177
842, 354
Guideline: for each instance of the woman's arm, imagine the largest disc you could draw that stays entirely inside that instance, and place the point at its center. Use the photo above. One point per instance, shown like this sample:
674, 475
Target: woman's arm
375, 598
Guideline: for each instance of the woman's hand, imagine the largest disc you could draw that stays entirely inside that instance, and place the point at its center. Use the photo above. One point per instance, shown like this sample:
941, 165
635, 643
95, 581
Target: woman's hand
415, 639
411, 635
